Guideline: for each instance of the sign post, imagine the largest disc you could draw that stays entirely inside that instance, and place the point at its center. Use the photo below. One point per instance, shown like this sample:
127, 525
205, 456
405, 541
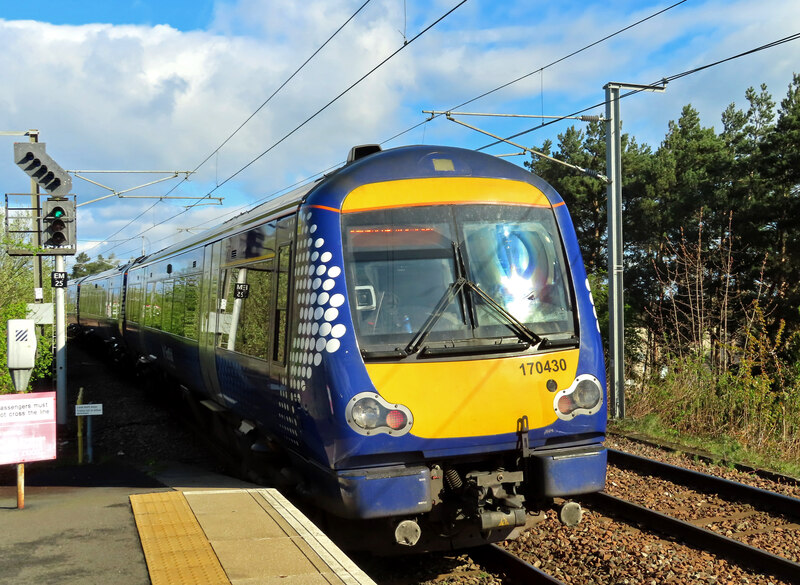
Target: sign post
27, 432
90, 410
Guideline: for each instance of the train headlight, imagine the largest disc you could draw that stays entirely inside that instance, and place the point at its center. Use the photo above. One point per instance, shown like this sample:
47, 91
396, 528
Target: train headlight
584, 396
368, 413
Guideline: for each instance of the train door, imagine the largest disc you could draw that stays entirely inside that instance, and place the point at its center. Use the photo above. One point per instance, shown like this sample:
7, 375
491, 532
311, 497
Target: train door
282, 296
123, 297
209, 317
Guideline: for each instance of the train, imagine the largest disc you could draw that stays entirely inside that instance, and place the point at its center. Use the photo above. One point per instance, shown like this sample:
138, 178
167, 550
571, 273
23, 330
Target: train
409, 342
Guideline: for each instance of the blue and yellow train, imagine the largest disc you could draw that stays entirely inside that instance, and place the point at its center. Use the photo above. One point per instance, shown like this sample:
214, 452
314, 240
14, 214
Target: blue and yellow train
411, 339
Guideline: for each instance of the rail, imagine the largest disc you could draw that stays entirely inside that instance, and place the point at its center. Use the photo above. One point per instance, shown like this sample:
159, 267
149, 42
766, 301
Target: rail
498, 560
704, 539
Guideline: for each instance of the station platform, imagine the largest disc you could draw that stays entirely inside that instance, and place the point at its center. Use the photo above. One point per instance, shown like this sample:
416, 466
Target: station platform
237, 537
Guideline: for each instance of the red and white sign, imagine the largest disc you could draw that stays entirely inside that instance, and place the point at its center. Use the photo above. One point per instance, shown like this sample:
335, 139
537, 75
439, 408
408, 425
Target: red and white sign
27, 427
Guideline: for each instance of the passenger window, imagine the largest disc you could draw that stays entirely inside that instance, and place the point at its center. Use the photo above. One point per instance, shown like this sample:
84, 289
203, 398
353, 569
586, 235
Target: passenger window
166, 307
244, 309
190, 307
134, 301
178, 292
152, 310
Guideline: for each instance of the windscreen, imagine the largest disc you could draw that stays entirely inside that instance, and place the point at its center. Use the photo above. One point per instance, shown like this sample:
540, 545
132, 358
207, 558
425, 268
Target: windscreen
402, 264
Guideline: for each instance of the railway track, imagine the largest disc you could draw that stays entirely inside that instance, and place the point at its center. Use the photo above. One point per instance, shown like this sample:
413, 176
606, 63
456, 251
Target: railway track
699, 456
726, 518
512, 568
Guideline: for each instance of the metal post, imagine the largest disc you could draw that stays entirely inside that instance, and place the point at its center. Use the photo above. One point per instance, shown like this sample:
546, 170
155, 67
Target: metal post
89, 452
616, 299
38, 295
61, 349
616, 304
20, 485
80, 428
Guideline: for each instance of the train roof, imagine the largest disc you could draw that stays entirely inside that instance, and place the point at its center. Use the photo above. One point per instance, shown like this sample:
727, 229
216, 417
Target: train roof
272, 208
365, 164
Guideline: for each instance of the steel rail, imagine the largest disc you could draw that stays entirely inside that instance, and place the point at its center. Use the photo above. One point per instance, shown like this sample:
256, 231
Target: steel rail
708, 458
757, 497
701, 538
498, 560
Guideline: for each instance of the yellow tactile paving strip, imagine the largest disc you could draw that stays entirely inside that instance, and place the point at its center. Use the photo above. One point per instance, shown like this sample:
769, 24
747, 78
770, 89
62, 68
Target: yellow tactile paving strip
175, 546
236, 537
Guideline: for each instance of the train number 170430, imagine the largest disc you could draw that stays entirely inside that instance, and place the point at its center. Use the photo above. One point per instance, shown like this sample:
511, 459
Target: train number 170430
543, 366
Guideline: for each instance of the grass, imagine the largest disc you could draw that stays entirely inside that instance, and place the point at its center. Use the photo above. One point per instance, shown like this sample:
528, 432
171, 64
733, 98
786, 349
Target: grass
722, 448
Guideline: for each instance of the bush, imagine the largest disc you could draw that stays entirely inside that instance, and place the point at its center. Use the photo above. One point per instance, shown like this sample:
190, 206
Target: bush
754, 404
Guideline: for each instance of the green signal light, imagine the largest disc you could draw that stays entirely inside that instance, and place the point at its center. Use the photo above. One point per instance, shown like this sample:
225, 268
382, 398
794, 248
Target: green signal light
58, 213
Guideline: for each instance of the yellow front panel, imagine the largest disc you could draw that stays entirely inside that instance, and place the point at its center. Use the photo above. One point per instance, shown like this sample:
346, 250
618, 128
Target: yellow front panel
410, 192
476, 397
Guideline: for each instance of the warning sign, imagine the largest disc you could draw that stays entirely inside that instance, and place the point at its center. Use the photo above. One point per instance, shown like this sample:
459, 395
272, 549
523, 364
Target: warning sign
27, 427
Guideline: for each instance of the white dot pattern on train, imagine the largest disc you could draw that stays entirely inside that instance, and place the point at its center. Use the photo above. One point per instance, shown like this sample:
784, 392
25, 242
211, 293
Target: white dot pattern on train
319, 329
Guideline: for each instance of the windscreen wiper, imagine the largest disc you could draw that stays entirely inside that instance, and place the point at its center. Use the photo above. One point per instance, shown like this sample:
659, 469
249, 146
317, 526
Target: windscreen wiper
522, 330
419, 338
525, 335
519, 328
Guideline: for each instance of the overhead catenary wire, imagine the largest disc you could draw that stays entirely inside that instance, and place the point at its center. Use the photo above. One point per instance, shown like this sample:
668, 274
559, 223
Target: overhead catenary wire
599, 104
476, 98
540, 69
340, 95
662, 81
405, 44
241, 208
251, 116
282, 85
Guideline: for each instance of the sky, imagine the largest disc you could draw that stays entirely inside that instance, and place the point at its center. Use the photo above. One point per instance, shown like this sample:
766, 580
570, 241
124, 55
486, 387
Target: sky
144, 85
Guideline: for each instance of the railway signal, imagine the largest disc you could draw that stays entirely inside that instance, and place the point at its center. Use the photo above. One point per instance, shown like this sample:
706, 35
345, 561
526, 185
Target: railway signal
45, 172
58, 226
53, 230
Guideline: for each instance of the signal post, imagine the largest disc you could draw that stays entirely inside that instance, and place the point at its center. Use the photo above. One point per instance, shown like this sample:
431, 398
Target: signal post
55, 235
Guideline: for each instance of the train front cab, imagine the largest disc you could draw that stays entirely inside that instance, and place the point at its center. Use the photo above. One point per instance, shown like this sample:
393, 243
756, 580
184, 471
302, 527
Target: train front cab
466, 357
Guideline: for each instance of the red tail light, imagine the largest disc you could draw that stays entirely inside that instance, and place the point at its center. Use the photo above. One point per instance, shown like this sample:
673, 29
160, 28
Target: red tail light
396, 419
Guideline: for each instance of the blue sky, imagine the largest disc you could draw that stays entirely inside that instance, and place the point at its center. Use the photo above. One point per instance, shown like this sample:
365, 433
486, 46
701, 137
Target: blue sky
183, 15
142, 85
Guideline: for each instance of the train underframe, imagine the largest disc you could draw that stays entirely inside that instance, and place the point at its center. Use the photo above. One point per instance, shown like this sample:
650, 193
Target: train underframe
444, 505
489, 500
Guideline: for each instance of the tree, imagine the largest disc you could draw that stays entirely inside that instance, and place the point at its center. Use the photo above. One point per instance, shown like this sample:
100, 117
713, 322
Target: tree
780, 152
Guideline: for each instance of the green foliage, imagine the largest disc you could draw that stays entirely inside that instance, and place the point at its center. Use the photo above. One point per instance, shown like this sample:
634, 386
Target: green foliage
16, 290
754, 406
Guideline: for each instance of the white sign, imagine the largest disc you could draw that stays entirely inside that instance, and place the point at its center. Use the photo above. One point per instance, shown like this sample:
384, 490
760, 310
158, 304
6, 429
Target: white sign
27, 408
88, 409
21, 344
27, 427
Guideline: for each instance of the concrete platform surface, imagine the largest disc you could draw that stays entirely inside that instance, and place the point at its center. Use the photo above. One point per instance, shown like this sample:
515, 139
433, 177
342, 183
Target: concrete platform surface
71, 535
236, 536
78, 528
